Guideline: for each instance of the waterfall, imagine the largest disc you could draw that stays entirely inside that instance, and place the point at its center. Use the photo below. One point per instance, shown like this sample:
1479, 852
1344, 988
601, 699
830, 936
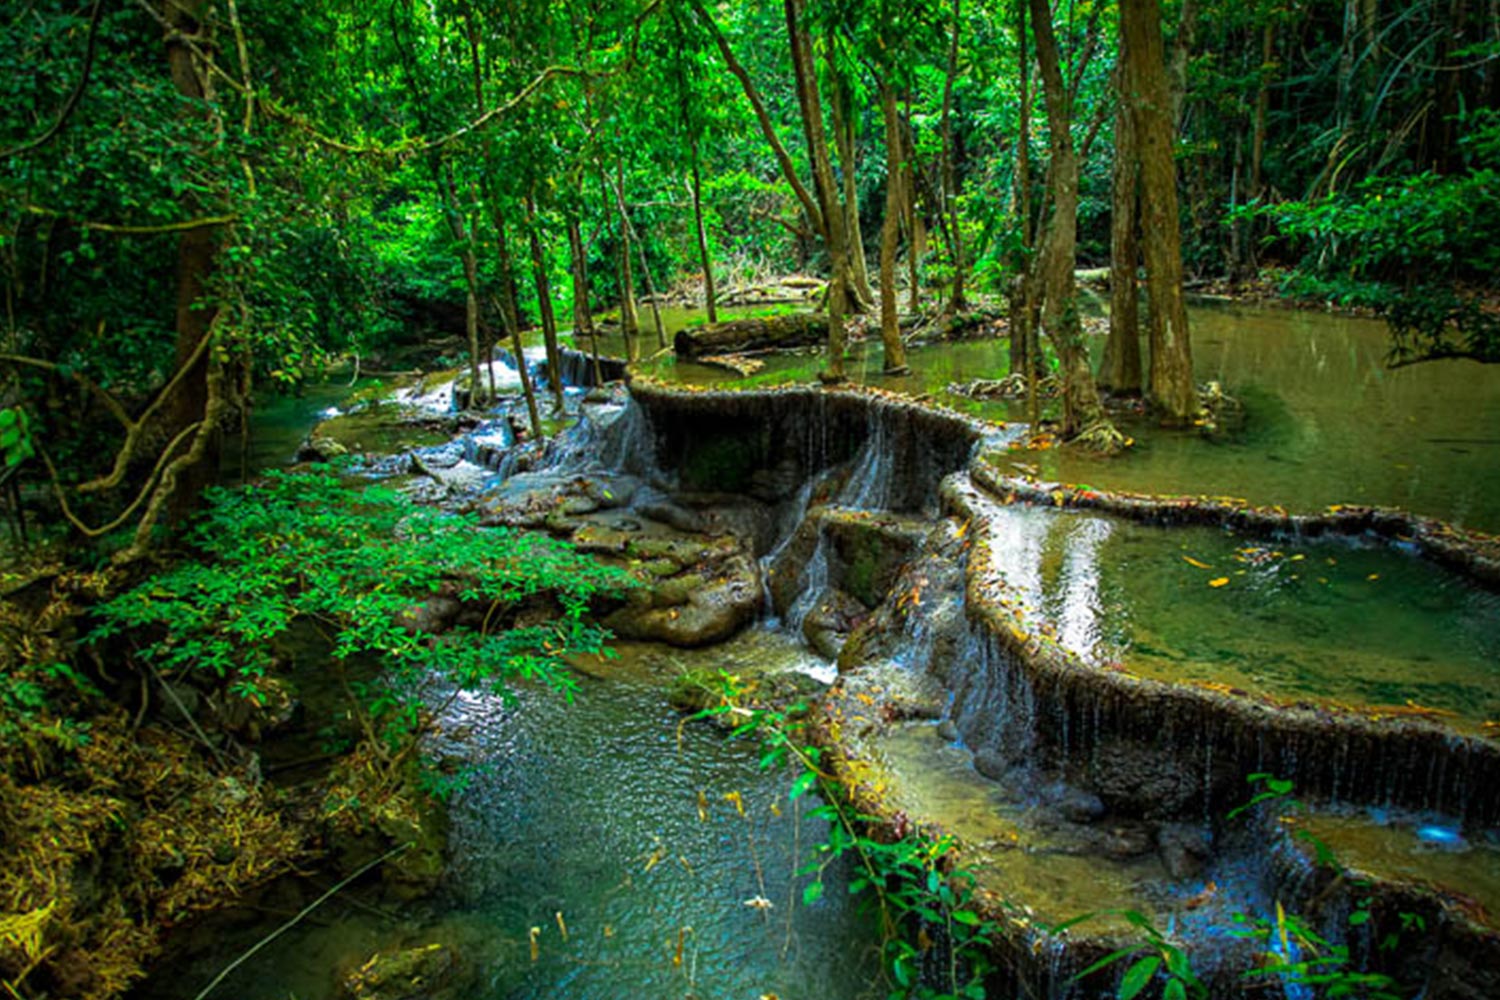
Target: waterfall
812, 585
869, 484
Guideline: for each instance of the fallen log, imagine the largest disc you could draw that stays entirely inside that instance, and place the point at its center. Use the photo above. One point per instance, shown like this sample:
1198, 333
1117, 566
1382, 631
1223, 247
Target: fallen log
740, 335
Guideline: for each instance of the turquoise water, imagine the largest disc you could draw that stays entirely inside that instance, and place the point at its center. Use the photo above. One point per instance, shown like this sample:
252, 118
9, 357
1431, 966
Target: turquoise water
636, 829
1367, 626
1327, 422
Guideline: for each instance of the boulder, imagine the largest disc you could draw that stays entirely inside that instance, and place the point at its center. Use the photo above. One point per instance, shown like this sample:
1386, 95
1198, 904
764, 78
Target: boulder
692, 610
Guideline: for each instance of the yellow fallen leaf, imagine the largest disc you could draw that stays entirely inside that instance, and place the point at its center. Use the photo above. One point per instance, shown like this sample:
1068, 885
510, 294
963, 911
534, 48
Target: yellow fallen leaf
1219, 582
1194, 562
1373, 576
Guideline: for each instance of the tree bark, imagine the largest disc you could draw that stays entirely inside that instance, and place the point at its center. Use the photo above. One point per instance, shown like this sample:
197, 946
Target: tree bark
544, 305
510, 317
1083, 416
1025, 354
1171, 389
957, 302
197, 254
833, 216
709, 296
464, 239
843, 134
1120, 370
890, 323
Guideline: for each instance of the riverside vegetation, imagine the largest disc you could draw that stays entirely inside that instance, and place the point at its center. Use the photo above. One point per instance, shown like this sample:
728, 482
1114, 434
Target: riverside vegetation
207, 207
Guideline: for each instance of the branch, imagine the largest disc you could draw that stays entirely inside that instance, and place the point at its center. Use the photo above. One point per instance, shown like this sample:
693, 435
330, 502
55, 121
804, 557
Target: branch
73, 98
768, 129
130, 230
798, 231
1100, 113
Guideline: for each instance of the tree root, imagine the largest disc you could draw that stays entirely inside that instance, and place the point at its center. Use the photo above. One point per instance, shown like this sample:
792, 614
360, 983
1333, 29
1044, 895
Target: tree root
1102, 437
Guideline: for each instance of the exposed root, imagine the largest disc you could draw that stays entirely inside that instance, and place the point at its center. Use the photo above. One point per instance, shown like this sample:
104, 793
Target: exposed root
1103, 437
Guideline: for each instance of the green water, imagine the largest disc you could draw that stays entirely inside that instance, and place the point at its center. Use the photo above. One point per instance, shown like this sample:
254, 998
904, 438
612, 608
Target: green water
592, 810
1369, 627
279, 423
1327, 423
1468, 869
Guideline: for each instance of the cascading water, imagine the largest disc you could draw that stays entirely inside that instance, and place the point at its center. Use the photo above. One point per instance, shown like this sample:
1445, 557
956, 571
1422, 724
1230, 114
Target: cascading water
812, 586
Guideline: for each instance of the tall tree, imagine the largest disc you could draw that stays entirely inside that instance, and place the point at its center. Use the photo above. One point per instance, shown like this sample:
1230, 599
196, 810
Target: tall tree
1171, 391
1084, 419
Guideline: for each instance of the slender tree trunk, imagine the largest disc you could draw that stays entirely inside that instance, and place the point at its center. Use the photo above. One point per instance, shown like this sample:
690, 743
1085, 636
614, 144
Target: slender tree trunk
1024, 356
640, 246
956, 300
1182, 54
890, 324
544, 305
463, 238
510, 317
708, 265
1083, 416
843, 133
1171, 384
197, 254
630, 324
1120, 369
833, 216
810, 206
583, 320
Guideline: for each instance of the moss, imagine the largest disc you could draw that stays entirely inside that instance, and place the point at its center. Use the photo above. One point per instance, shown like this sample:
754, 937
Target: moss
722, 463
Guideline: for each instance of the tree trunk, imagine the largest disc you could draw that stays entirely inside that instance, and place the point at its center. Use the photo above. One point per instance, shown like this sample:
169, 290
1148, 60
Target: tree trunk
890, 323
197, 253
464, 240
1022, 359
762, 117
957, 303
843, 133
916, 229
583, 320
544, 305
1171, 383
510, 317
1083, 416
1120, 370
630, 324
833, 216
708, 265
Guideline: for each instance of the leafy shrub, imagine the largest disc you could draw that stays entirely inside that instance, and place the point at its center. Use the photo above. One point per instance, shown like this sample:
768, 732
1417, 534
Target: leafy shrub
355, 562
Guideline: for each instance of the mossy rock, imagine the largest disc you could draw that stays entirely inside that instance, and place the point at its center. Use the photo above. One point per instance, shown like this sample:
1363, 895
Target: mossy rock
722, 462
429, 972
695, 690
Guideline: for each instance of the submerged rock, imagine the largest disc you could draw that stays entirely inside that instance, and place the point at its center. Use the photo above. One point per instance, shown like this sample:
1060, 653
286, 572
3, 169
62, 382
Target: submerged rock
429, 972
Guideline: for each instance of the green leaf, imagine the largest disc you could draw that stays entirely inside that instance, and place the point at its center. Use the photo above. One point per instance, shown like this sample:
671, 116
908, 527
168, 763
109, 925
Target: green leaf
812, 893
1137, 976
1175, 990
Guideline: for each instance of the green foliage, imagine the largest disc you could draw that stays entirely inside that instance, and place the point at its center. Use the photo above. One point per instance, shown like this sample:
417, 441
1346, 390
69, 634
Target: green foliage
1161, 960
1300, 956
1400, 246
357, 562
912, 880
15, 435
1297, 954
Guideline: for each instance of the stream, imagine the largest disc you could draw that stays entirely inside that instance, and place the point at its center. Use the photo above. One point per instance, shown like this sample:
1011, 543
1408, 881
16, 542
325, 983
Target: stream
642, 857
